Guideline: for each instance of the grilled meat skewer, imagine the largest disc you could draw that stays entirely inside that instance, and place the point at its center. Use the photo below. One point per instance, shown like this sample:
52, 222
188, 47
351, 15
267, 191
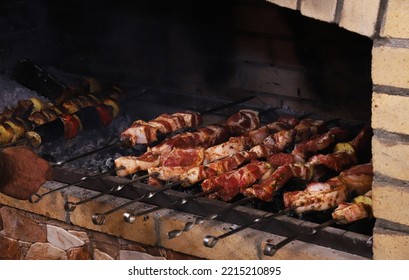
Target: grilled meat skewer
360, 208
141, 132
320, 196
204, 137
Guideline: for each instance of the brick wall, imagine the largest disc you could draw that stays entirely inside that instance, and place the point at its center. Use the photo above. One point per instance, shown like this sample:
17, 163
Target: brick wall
386, 23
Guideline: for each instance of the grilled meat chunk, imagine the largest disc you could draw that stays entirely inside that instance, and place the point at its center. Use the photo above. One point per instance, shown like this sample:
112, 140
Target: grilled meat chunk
141, 132
177, 162
268, 188
243, 121
230, 184
360, 208
317, 196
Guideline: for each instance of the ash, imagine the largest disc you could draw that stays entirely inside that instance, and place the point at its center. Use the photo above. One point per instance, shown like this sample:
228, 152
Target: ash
87, 141
61, 150
11, 92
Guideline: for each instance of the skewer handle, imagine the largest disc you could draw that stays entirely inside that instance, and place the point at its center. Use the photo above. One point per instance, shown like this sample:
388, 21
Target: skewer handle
211, 241
99, 218
200, 220
70, 206
35, 198
270, 249
130, 218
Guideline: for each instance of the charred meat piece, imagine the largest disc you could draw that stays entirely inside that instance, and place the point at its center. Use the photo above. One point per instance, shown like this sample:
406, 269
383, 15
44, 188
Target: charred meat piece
342, 158
358, 179
278, 131
230, 147
203, 137
362, 144
280, 159
177, 162
142, 132
230, 184
132, 164
267, 189
318, 143
307, 128
215, 168
243, 121
360, 208
281, 139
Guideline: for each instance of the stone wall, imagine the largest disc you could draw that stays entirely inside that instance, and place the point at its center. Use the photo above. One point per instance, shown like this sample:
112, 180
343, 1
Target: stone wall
29, 236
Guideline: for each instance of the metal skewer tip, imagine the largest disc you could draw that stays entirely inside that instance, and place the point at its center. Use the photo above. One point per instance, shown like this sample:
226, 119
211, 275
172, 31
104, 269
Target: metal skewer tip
269, 249
98, 219
210, 241
200, 220
35, 198
70, 206
129, 218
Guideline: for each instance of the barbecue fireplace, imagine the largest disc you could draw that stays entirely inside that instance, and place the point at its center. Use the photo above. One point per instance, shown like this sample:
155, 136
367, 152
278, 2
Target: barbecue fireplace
334, 59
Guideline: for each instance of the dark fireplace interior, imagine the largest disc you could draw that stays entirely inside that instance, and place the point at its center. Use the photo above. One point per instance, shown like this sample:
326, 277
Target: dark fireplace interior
206, 48
173, 55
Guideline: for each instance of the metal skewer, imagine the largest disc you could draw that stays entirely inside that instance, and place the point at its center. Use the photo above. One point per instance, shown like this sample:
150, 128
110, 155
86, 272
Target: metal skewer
99, 218
116, 143
35, 198
70, 206
125, 143
211, 241
271, 249
200, 220
130, 218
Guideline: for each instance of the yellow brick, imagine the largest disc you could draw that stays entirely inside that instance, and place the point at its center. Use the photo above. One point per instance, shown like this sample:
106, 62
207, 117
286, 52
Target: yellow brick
390, 112
390, 66
391, 157
292, 4
392, 199
319, 9
396, 20
390, 245
360, 16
